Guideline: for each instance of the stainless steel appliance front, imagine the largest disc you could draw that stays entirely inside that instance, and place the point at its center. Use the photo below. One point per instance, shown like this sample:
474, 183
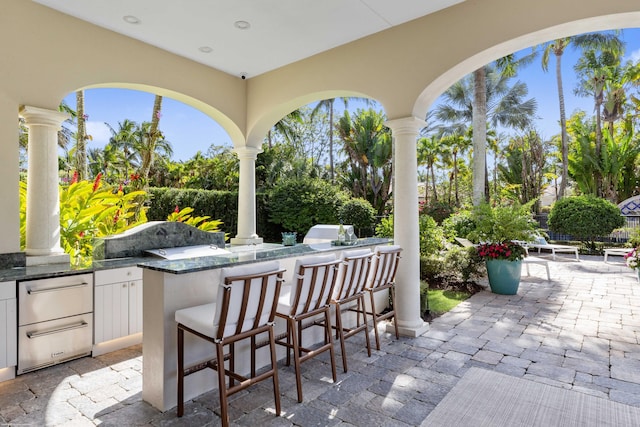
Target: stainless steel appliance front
55, 320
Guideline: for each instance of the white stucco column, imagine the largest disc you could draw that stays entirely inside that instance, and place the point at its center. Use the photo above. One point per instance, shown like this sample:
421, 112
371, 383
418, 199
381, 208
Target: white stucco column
406, 228
43, 199
247, 197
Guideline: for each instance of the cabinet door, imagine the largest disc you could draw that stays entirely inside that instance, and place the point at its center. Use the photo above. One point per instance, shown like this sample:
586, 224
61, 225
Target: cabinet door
8, 325
135, 306
111, 311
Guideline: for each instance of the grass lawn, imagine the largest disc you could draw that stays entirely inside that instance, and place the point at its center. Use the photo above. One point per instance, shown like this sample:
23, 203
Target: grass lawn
441, 301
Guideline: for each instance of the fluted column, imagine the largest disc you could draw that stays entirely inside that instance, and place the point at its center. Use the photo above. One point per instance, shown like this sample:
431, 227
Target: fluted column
43, 200
406, 227
247, 197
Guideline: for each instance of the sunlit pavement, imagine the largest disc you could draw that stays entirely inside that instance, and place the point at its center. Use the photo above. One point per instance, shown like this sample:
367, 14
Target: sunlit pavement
578, 331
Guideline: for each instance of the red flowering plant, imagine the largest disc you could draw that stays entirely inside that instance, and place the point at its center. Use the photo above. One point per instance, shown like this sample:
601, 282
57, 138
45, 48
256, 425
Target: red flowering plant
510, 251
500, 228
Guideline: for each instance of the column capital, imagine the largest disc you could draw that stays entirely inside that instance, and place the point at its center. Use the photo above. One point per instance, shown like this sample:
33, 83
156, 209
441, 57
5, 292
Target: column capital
35, 116
247, 152
409, 124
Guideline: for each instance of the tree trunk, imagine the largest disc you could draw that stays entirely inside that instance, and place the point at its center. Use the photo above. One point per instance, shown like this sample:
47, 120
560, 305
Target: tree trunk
598, 175
433, 183
455, 178
81, 137
564, 176
153, 136
479, 135
331, 165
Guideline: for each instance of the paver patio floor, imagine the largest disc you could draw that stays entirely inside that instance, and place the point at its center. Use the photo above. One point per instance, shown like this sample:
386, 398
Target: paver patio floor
578, 331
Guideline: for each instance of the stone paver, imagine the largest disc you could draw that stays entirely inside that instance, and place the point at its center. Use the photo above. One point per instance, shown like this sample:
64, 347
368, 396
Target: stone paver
579, 331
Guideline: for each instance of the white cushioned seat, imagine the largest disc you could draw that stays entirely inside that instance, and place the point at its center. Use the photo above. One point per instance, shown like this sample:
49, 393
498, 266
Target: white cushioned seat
199, 318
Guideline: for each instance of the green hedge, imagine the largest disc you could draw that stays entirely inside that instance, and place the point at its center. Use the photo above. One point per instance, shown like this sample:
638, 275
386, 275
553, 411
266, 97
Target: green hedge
221, 205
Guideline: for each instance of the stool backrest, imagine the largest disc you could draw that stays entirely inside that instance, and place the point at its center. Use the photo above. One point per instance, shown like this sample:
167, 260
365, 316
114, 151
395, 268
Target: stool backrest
314, 280
352, 273
384, 266
247, 297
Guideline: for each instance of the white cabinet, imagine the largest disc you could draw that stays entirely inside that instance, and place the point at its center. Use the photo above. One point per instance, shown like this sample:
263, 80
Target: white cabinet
117, 309
8, 330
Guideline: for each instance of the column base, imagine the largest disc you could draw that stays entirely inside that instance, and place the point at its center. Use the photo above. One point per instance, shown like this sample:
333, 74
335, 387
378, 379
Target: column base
48, 259
235, 241
408, 331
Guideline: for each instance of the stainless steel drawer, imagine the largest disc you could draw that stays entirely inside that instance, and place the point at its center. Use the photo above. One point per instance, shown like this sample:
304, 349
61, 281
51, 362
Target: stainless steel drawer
47, 343
47, 299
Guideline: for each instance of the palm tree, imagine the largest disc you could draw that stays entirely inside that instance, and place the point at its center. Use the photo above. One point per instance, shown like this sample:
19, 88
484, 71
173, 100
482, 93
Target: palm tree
367, 143
503, 105
602, 77
327, 104
285, 127
122, 145
81, 137
507, 67
429, 149
150, 144
558, 47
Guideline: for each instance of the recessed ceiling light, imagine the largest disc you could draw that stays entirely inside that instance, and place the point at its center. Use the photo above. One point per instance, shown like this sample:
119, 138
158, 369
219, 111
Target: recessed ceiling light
243, 25
205, 49
131, 19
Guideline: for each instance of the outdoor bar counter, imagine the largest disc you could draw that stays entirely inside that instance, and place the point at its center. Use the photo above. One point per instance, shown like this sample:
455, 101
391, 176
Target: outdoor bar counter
170, 285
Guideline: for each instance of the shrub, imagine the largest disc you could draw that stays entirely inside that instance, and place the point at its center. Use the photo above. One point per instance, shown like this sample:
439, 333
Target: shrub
221, 205
431, 236
385, 227
360, 214
457, 266
439, 211
584, 217
430, 268
459, 224
462, 265
299, 204
503, 223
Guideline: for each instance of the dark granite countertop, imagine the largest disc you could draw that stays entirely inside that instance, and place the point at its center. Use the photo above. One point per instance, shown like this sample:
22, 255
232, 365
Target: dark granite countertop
58, 270
249, 254
237, 255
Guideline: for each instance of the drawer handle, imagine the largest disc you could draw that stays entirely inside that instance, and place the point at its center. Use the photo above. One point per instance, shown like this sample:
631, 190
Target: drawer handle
82, 324
59, 288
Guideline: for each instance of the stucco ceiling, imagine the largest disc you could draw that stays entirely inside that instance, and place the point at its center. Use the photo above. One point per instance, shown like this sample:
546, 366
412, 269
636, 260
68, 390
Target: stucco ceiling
279, 31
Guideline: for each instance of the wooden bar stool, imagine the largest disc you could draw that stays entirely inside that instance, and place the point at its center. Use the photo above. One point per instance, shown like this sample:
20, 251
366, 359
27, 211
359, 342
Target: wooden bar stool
246, 304
349, 292
304, 304
382, 277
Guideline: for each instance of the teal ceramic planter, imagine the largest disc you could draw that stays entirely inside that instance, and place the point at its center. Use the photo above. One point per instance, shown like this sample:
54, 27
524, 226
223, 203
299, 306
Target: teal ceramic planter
504, 276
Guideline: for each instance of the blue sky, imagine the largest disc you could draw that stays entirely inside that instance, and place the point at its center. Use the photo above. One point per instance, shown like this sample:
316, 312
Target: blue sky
189, 131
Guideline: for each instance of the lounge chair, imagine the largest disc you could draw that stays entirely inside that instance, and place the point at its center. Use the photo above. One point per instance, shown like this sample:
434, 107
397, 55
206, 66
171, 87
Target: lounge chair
465, 243
541, 243
615, 251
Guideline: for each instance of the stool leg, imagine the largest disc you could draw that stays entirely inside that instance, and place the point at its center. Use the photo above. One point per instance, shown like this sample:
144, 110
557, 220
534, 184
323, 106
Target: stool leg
180, 372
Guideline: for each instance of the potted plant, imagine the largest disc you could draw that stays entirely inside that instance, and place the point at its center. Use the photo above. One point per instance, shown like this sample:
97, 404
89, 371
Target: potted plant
633, 260
500, 230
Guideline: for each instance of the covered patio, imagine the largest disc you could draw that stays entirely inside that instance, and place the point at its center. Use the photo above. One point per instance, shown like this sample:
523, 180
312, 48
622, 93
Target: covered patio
577, 333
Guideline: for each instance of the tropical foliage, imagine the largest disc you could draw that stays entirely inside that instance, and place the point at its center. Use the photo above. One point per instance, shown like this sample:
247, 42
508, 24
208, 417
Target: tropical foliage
89, 210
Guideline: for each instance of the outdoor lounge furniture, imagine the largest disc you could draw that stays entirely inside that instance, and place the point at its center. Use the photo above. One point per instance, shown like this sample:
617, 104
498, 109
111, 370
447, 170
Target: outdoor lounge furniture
245, 307
615, 252
541, 243
535, 260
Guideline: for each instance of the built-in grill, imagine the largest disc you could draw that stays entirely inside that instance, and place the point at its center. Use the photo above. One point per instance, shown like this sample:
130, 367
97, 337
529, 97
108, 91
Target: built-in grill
183, 252
55, 320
